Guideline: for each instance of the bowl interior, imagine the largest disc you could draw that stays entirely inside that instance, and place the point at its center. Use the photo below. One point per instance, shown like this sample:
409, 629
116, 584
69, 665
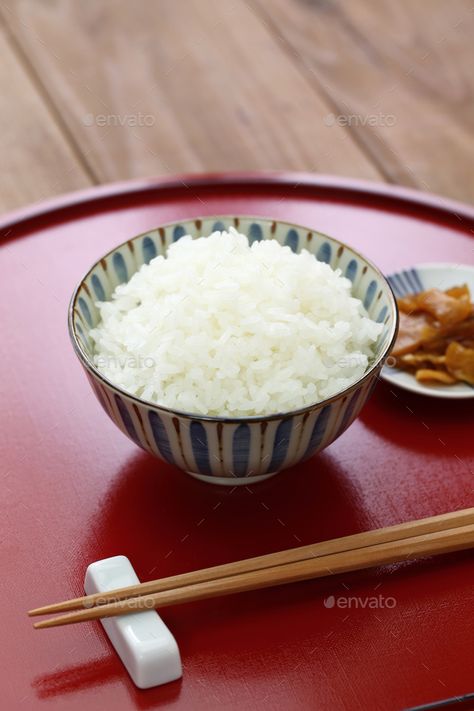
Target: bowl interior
120, 264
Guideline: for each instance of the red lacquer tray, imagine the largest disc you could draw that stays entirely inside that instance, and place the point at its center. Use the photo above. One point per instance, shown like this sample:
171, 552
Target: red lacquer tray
74, 489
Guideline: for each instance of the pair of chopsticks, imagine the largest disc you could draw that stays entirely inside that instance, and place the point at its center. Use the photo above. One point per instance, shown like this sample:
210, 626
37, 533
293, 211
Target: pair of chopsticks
425, 537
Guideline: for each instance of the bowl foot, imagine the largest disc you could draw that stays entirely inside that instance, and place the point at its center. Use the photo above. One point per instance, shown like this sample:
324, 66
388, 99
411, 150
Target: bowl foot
232, 480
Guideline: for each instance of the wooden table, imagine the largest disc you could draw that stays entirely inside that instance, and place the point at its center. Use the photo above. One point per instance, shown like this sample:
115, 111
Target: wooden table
102, 90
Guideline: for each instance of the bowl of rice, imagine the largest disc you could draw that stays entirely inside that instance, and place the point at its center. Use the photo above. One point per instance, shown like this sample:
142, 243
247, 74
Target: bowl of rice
233, 347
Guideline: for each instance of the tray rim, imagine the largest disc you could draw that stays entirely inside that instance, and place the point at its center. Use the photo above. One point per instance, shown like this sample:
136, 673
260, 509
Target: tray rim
320, 183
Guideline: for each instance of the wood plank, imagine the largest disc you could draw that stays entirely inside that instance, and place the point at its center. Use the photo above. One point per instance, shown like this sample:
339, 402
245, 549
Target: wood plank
406, 67
211, 87
37, 160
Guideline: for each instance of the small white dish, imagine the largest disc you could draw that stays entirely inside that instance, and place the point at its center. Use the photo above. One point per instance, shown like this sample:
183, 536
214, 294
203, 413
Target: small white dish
419, 278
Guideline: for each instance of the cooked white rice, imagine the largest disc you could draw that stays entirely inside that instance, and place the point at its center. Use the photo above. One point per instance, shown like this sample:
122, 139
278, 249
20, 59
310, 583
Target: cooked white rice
219, 327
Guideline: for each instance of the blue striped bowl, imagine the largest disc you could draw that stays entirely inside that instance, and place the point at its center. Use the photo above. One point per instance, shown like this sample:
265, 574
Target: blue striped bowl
218, 449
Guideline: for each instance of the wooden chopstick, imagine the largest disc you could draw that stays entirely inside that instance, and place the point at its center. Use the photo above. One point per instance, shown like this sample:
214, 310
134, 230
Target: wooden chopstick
336, 545
435, 543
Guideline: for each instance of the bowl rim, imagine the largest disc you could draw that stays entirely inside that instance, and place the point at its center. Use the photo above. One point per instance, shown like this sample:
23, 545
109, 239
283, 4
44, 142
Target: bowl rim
89, 365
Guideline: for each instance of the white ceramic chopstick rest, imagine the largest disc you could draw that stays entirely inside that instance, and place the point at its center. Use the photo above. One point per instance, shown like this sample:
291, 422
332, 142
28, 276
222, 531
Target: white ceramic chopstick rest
143, 642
